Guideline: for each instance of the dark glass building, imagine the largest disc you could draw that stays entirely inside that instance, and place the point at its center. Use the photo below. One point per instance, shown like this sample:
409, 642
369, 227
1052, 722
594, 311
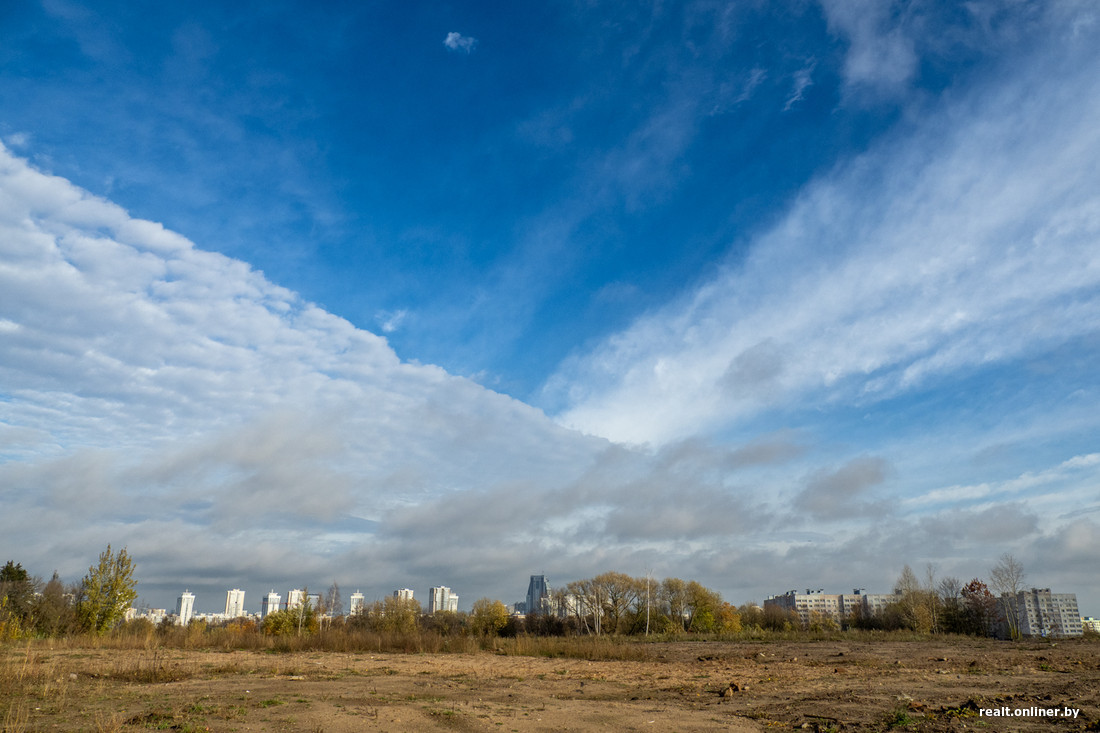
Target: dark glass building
538, 595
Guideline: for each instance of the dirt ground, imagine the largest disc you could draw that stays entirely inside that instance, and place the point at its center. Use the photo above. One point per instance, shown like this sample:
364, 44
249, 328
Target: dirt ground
829, 685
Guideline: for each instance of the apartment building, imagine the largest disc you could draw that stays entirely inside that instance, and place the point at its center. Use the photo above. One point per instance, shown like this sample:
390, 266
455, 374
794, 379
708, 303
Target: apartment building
440, 598
185, 608
839, 607
234, 603
1042, 613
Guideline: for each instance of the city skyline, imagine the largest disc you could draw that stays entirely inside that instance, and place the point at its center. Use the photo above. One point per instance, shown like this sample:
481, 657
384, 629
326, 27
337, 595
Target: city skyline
356, 598
731, 291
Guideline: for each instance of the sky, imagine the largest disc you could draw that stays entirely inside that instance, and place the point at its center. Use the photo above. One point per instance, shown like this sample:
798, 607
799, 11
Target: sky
766, 295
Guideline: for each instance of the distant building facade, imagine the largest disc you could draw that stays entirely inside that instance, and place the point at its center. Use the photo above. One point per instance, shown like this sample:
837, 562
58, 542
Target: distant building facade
234, 603
403, 594
538, 596
155, 615
295, 598
1088, 623
440, 598
839, 607
1042, 613
185, 608
271, 603
355, 604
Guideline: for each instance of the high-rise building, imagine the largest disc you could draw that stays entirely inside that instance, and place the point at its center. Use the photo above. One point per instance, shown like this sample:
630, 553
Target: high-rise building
355, 603
295, 598
403, 594
234, 603
271, 603
185, 608
538, 596
1042, 613
440, 598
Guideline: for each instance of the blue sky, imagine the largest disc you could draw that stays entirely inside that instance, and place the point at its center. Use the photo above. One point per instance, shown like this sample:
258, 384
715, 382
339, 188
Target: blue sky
768, 295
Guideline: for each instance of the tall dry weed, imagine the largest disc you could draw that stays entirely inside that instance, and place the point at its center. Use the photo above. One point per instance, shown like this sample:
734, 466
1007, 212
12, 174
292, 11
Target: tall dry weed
109, 722
150, 667
16, 717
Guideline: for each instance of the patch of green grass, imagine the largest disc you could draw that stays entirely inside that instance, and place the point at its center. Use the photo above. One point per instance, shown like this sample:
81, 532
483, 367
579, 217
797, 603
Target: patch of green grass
424, 698
900, 718
271, 703
433, 711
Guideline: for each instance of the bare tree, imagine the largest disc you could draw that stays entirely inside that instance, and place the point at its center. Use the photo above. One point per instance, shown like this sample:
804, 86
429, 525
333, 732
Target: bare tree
674, 601
593, 605
913, 605
620, 593
949, 591
1007, 580
334, 604
932, 600
304, 612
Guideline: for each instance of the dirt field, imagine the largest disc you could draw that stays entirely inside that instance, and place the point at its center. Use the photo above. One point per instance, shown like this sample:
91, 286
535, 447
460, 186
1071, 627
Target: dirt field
845, 685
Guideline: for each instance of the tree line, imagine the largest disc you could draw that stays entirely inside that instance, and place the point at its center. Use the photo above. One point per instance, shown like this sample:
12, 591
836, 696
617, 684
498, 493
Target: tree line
607, 604
31, 607
612, 604
948, 605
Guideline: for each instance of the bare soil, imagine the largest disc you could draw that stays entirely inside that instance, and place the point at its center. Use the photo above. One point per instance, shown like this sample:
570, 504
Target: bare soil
828, 685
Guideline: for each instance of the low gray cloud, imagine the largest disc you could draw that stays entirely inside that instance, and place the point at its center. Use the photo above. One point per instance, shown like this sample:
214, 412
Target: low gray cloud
966, 530
844, 493
756, 370
770, 449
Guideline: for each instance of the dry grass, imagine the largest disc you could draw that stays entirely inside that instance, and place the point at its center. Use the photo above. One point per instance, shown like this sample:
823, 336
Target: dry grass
531, 683
16, 717
578, 647
149, 668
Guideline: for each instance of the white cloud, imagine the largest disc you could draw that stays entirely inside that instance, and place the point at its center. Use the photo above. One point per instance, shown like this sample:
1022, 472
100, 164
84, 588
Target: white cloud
1070, 481
458, 42
390, 321
803, 80
18, 139
163, 397
970, 241
881, 52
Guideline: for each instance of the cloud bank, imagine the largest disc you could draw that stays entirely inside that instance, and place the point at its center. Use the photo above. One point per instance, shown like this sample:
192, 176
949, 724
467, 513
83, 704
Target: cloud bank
793, 420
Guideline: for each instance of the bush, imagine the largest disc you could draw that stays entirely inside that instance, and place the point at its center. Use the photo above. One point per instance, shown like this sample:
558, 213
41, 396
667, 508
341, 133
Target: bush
294, 622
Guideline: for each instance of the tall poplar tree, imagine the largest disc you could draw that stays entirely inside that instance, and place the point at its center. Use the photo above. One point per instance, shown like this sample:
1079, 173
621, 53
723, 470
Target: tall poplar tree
106, 591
